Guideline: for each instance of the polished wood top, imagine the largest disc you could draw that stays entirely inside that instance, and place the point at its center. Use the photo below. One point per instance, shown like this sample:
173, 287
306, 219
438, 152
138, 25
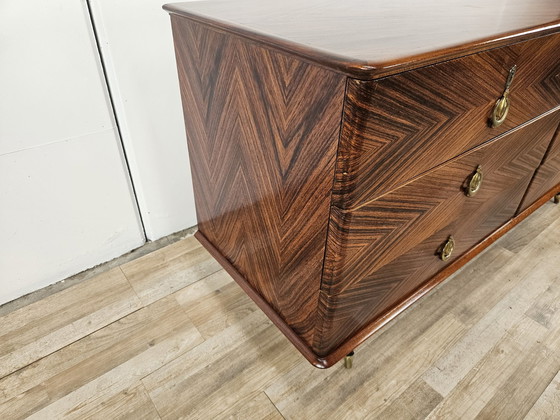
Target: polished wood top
373, 38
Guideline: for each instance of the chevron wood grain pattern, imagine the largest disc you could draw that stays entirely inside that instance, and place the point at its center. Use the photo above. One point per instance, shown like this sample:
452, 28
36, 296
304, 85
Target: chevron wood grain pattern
382, 252
262, 130
547, 175
399, 127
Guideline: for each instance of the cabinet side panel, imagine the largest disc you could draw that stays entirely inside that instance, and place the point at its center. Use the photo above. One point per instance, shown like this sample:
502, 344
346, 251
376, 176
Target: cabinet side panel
262, 130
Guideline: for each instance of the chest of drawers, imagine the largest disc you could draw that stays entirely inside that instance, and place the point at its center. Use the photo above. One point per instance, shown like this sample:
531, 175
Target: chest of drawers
347, 157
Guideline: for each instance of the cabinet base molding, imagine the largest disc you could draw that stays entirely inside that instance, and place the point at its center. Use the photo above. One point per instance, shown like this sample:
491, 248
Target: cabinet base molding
348, 347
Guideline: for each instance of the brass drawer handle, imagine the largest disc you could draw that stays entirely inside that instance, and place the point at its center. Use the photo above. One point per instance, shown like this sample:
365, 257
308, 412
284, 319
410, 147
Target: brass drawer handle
501, 108
475, 182
447, 249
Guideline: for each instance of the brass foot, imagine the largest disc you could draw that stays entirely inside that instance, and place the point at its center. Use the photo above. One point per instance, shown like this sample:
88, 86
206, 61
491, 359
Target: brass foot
557, 198
348, 360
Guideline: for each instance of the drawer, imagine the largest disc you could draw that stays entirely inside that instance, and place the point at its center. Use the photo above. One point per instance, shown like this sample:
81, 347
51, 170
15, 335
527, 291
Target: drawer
383, 251
398, 127
547, 176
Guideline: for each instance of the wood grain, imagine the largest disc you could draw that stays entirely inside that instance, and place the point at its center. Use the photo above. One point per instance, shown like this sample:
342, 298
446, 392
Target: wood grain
547, 175
493, 369
372, 38
152, 278
131, 403
38, 330
416, 402
262, 172
547, 406
255, 406
386, 249
248, 355
483, 337
79, 378
399, 127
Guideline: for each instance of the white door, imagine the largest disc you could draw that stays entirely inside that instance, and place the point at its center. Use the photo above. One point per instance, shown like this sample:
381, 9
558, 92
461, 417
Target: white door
66, 201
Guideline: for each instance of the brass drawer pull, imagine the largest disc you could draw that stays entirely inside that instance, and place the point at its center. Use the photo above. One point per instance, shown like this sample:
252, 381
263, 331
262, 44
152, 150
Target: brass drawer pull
501, 108
447, 249
474, 182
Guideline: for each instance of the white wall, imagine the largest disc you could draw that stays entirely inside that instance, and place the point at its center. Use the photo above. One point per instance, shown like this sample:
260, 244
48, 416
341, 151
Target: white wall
137, 48
65, 196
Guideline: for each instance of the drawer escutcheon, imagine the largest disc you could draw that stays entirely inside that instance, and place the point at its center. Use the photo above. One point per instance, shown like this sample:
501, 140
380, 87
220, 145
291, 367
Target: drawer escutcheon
475, 182
501, 108
447, 249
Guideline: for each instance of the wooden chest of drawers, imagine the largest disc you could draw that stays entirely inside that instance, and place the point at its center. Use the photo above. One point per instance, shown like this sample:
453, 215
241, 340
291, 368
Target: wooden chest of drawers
348, 156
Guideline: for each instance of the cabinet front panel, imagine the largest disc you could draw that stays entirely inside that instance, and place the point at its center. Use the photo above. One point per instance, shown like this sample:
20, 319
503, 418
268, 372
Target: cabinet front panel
547, 176
399, 127
380, 253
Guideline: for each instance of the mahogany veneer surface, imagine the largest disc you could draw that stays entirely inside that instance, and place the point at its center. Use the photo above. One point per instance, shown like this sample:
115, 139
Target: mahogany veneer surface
328, 196
262, 174
386, 249
547, 176
371, 38
401, 126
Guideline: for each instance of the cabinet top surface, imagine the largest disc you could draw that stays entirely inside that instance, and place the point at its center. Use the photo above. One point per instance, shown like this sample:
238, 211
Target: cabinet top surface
374, 38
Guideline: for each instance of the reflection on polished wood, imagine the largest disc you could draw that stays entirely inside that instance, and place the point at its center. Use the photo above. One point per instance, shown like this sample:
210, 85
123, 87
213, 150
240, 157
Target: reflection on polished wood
267, 208
385, 248
373, 38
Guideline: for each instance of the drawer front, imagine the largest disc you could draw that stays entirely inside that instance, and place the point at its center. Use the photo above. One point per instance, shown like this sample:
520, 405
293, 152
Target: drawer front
381, 253
547, 176
399, 127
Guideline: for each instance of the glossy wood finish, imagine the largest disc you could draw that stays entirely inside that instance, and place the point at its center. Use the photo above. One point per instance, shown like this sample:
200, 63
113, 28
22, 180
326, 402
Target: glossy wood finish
401, 126
325, 196
378, 323
384, 251
547, 175
373, 38
262, 130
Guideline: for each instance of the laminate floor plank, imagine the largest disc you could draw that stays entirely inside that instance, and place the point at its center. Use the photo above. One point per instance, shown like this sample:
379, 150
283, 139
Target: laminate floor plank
100, 366
169, 269
524, 386
547, 407
416, 402
171, 335
517, 239
535, 279
340, 393
254, 407
546, 309
34, 331
131, 403
477, 387
247, 356
202, 289
226, 306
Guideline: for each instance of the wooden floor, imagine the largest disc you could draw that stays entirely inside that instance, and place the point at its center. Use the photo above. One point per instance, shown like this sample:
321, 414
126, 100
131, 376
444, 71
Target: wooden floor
170, 335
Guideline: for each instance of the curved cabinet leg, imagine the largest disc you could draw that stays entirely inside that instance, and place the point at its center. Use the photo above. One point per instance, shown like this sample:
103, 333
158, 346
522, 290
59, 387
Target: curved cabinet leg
348, 360
557, 198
